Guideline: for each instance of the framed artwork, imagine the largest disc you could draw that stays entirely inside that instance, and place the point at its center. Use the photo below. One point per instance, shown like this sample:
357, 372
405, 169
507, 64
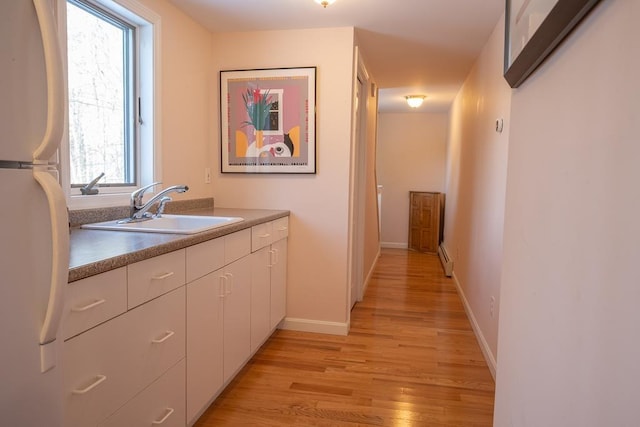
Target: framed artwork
267, 120
533, 29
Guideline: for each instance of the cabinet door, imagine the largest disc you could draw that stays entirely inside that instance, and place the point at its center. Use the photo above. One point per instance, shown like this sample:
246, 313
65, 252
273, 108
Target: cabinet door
204, 342
260, 297
237, 316
278, 282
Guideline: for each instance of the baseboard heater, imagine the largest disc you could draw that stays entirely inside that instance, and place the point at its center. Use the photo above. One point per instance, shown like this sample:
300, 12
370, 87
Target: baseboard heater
447, 263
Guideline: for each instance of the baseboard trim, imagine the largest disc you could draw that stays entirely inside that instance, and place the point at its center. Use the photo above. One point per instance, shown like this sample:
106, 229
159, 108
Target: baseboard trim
394, 245
484, 346
318, 326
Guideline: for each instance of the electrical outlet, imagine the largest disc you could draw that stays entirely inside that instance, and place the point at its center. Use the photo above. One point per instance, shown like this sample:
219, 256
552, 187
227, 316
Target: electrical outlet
207, 175
492, 304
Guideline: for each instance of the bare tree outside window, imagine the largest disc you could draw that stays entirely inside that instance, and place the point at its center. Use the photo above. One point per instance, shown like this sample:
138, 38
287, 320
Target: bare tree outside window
100, 101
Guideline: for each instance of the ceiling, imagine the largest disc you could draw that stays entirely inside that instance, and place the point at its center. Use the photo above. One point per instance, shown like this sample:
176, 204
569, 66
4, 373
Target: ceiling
410, 46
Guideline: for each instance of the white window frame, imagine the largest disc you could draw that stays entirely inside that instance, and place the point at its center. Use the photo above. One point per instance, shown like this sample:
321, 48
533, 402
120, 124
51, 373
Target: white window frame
149, 145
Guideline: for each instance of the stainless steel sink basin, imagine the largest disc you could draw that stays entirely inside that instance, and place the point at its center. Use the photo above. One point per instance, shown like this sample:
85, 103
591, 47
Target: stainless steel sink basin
171, 224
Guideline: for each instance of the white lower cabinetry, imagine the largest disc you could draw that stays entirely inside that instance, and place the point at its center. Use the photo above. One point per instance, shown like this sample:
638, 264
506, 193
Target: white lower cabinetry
237, 317
269, 279
218, 317
278, 282
108, 365
155, 342
204, 342
160, 404
260, 297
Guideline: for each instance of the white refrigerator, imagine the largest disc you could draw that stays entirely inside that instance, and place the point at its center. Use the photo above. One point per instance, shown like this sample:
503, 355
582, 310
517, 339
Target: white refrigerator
34, 231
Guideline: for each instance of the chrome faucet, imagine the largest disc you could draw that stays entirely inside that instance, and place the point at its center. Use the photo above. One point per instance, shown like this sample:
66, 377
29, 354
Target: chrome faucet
139, 211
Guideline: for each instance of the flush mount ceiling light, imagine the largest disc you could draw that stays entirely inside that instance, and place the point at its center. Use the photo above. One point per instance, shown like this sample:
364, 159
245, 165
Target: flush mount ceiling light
415, 101
325, 3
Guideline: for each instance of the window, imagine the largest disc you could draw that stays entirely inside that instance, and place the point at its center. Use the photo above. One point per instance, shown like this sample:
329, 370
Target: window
111, 71
102, 133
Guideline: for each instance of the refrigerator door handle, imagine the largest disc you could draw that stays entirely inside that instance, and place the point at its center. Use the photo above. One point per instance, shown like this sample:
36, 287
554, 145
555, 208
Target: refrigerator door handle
55, 82
59, 264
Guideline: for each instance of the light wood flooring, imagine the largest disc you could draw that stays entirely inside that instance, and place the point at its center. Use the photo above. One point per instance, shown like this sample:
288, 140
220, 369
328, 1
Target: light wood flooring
410, 359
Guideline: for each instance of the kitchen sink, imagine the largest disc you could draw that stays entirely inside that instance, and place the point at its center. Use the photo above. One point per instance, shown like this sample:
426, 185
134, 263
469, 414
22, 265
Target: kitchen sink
171, 224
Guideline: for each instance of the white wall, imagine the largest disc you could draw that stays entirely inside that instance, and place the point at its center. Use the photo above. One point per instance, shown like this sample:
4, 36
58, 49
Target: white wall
569, 349
411, 157
476, 183
319, 204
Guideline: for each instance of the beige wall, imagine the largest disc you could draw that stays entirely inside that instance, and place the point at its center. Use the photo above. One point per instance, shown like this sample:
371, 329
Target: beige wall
476, 182
411, 157
318, 246
186, 84
319, 204
568, 349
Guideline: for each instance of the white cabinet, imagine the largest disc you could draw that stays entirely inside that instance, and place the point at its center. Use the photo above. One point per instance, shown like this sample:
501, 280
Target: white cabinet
108, 365
204, 342
160, 404
94, 300
155, 276
280, 228
260, 297
268, 279
218, 316
144, 349
278, 282
237, 316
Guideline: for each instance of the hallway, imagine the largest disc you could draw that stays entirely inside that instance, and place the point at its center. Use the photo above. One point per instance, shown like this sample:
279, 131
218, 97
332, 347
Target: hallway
411, 359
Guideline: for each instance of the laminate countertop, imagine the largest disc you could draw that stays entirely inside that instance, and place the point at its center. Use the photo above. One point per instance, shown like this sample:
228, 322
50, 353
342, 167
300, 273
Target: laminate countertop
97, 251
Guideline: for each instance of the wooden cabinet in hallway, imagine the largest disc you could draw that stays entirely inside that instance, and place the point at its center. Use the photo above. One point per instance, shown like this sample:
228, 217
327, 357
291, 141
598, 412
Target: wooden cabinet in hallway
426, 214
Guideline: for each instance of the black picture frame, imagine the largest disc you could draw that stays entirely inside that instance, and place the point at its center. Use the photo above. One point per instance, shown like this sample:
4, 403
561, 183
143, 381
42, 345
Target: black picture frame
268, 120
537, 42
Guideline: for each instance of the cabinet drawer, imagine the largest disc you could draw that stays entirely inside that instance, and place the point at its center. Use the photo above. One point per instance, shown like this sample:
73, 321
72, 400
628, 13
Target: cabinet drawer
161, 404
204, 258
261, 235
237, 245
155, 276
280, 228
109, 364
94, 300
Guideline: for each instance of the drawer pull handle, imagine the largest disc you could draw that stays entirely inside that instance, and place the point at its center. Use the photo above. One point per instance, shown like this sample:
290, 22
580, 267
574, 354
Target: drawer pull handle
88, 306
162, 276
222, 284
273, 257
283, 228
264, 236
276, 258
166, 336
96, 383
229, 283
163, 419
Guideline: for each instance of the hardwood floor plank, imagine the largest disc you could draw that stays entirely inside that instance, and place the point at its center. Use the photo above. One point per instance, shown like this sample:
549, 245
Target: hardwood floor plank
410, 359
